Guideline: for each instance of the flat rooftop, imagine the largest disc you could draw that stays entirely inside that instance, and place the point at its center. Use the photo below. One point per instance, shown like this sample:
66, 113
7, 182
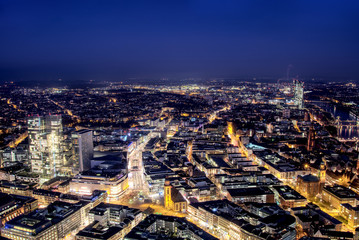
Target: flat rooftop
340, 191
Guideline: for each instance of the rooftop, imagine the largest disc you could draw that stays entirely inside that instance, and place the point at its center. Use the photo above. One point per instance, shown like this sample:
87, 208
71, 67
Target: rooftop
340, 191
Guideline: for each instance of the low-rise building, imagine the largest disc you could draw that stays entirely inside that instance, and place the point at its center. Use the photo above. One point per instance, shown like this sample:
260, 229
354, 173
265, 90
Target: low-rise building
230, 221
95, 231
236, 178
46, 197
109, 176
12, 206
197, 188
337, 195
311, 218
282, 168
55, 222
17, 187
253, 194
288, 197
113, 214
330, 234
308, 185
155, 173
167, 227
110, 222
351, 214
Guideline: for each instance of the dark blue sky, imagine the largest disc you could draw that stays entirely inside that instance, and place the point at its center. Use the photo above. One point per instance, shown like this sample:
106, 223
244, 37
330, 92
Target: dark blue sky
114, 40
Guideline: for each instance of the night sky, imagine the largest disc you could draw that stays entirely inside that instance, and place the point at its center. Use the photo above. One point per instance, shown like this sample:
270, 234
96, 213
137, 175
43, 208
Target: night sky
114, 40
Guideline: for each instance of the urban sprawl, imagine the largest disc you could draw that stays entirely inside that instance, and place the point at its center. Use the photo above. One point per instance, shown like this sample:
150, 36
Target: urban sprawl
209, 161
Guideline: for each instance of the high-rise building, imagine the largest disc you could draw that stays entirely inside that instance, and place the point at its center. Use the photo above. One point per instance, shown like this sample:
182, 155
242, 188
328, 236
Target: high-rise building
299, 93
82, 141
45, 137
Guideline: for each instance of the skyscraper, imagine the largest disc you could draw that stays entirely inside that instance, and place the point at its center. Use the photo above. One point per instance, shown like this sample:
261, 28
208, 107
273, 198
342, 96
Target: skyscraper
299, 93
45, 136
83, 150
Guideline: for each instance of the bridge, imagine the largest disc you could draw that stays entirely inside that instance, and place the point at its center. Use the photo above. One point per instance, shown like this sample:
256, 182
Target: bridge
349, 128
347, 123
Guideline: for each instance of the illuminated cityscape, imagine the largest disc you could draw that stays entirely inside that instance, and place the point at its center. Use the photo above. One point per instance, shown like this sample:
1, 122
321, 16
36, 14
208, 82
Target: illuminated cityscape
179, 120
216, 161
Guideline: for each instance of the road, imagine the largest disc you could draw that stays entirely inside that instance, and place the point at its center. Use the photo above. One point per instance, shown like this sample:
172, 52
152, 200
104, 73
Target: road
136, 177
135, 168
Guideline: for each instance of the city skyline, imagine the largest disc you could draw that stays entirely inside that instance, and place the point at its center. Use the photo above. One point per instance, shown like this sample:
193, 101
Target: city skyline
179, 120
196, 161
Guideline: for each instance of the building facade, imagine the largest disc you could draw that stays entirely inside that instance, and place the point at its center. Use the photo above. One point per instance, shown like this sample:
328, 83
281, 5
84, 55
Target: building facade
299, 93
45, 138
82, 141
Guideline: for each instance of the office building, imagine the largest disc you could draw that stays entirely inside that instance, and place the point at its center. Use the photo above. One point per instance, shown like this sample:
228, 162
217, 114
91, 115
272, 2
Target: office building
45, 137
82, 150
299, 93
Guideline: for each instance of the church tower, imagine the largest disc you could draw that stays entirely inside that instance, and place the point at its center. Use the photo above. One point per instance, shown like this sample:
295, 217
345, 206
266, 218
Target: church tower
168, 199
311, 138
